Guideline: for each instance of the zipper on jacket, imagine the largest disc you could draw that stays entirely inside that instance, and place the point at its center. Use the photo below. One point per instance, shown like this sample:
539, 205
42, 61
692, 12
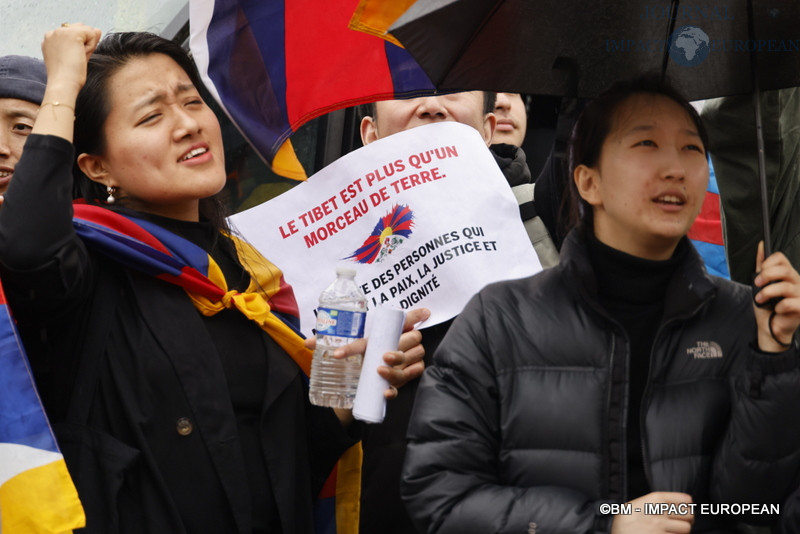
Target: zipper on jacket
624, 400
648, 389
607, 454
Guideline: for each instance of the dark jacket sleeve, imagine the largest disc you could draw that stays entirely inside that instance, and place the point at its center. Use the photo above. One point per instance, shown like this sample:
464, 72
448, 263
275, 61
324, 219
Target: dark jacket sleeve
43, 263
758, 458
789, 522
451, 476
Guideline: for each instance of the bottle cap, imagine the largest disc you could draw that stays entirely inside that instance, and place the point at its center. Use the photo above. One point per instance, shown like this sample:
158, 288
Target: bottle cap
346, 271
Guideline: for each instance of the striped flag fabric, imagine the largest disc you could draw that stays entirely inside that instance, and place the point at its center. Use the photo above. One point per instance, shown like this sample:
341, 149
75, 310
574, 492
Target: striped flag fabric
148, 248
706, 232
37, 495
273, 65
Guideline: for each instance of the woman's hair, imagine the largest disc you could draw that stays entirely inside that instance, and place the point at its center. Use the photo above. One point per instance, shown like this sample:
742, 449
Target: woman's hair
93, 105
595, 124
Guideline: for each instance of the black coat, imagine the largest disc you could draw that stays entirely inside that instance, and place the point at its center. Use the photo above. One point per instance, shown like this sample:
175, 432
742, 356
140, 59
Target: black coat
511, 426
133, 383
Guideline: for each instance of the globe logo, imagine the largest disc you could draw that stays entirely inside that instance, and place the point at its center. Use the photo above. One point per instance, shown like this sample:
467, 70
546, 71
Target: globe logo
689, 46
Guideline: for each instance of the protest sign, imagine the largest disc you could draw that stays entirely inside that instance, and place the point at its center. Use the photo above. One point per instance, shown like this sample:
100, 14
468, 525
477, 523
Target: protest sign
425, 216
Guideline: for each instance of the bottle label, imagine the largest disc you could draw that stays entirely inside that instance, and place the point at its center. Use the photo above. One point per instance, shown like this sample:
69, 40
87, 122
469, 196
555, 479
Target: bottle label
340, 323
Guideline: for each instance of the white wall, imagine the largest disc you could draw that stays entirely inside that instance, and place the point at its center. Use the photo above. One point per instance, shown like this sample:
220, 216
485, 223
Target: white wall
25, 22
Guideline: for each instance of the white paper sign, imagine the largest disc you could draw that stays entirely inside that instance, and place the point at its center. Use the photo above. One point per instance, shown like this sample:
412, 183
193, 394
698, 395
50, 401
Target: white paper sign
425, 216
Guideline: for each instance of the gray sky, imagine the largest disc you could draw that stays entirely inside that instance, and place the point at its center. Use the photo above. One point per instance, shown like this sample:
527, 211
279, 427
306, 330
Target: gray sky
26, 21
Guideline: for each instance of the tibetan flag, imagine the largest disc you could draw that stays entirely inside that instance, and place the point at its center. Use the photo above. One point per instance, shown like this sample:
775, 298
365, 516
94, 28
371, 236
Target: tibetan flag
273, 65
706, 232
37, 495
390, 231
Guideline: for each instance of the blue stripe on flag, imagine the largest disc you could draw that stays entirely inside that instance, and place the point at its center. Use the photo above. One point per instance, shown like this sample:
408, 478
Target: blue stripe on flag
714, 257
407, 77
22, 419
253, 90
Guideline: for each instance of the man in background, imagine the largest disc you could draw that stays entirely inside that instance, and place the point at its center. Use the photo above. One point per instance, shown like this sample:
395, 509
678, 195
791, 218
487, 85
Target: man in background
511, 110
512, 119
22, 82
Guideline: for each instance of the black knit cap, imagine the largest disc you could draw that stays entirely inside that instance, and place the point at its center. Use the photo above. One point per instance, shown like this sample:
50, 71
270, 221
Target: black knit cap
22, 77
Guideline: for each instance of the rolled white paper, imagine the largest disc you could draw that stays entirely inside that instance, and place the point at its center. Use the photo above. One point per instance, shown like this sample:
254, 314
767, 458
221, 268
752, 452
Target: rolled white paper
386, 325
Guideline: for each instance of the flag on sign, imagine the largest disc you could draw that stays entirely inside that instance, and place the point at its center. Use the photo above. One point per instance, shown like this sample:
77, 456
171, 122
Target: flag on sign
273, 65
37, 495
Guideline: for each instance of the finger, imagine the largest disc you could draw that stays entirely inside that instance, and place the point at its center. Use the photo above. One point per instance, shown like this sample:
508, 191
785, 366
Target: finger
400, 358
91, 40
688, 517
351, 349
779, 290
310, 343
390, 393
786, 321
768, 292
417, 315
399, 377
759, 256
409, 340
395, 358
674, 497
776, 267
414, 354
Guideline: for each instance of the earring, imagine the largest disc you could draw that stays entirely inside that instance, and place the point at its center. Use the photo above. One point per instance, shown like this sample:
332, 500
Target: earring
110, 199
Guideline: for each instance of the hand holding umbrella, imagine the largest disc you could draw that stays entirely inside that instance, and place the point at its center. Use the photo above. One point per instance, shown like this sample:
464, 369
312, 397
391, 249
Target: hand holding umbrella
777, 280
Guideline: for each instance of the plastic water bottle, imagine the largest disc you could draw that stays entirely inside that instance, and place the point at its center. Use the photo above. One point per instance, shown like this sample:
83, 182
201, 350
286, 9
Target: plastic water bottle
341, 316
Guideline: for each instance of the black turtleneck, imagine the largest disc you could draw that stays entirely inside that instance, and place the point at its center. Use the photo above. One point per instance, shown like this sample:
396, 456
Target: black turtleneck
632, 290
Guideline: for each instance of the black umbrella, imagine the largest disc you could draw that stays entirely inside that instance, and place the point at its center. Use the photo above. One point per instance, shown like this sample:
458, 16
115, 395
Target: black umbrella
578, 48
536, 47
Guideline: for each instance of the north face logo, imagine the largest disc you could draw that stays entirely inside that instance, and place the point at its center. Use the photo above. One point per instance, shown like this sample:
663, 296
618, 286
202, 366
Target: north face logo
705, 350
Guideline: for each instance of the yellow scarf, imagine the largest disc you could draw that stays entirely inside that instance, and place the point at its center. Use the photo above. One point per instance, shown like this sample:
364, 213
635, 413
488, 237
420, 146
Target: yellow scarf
254, 302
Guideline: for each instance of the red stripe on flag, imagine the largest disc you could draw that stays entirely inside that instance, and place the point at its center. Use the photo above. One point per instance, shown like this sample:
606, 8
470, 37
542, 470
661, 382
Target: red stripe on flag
118, 223
325, 59
329, 489
192, 280
708, 225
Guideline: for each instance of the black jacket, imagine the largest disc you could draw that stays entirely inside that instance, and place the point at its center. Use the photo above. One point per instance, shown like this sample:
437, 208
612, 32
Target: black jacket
511, 427
134, 385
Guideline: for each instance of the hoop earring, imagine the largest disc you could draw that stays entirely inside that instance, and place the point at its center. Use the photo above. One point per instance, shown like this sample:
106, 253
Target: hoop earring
110, 191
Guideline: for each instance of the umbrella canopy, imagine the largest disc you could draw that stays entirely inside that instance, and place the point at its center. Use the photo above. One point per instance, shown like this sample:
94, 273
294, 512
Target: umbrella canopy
579, 48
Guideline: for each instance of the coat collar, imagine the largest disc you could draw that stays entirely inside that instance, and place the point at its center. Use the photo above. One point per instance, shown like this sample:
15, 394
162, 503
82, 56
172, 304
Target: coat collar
689, 287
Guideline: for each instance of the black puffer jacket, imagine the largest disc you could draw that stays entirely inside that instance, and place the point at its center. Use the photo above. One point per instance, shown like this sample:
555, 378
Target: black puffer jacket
511, 430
